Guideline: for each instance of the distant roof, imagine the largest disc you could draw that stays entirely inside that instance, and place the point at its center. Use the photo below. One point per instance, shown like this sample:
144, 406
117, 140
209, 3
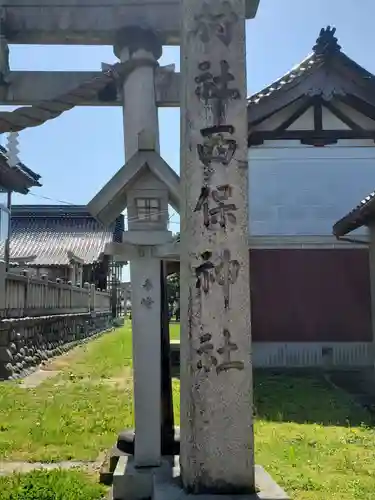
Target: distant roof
361, 215
325, 53
51, 233
18, 178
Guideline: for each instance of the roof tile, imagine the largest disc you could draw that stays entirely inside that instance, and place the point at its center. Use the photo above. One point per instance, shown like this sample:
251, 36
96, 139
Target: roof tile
52, 236
325, 48
359, 216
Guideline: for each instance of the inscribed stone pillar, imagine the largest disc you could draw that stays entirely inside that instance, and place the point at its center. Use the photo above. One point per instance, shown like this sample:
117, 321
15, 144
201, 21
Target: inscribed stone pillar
140, 49
146, 300
216, 368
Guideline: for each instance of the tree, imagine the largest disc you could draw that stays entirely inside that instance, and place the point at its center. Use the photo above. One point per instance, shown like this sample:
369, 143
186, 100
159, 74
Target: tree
173, 285
173, 288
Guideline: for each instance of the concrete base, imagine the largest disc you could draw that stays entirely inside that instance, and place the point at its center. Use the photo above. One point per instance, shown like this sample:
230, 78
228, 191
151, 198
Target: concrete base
163, 483
136, 483
109, 465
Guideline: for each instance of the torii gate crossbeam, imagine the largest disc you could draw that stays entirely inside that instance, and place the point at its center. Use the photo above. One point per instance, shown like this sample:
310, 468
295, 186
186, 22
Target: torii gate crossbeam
93, 22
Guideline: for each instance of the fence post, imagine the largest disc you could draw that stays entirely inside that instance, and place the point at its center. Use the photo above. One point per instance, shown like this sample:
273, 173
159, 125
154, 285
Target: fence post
70, 295
45, 304
26, 296
78, 297
87, 288
93, 298
2, 287
59, 305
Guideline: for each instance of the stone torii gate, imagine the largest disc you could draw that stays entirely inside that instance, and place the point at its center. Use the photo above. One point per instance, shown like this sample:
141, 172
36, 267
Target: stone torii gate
84, 22
217, 455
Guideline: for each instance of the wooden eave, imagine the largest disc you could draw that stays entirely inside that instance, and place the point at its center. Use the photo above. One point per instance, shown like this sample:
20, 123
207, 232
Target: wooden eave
15, 178
22, 260
318, 80
361, 215
279, 94
74, 259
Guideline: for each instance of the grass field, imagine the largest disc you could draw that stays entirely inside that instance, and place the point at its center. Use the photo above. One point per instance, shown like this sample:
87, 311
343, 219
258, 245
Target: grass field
316, 443
174, 331
55, 485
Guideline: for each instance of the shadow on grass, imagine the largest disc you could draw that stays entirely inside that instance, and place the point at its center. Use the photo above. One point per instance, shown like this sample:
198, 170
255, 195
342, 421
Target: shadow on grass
303, 397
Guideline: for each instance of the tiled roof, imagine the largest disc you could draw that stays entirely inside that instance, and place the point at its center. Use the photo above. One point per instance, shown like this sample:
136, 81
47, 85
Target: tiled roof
50, 232
360, 216
326, 46
18, 178
33, 176
297, 71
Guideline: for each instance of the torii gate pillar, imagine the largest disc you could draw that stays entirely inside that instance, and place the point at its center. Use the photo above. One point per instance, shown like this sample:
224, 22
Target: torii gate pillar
139, 49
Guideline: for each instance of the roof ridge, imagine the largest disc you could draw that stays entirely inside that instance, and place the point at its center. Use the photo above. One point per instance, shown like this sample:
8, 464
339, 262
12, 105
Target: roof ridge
325, 49
327, 43
297, 67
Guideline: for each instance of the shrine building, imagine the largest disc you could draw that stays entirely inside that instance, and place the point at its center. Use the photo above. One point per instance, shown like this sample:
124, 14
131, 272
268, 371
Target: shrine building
64, 242
311, 158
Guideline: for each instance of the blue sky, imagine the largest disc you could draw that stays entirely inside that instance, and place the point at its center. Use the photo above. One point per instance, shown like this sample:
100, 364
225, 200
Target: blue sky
78, 152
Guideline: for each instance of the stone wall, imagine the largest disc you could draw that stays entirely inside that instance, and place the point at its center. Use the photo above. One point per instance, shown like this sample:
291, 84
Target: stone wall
26, 342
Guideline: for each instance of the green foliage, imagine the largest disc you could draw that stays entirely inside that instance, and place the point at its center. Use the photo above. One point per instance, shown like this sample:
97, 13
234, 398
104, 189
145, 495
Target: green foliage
173, 281
173, 287
50, 485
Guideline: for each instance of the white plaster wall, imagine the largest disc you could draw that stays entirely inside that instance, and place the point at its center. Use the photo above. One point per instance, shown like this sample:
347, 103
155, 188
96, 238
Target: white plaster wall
303, 190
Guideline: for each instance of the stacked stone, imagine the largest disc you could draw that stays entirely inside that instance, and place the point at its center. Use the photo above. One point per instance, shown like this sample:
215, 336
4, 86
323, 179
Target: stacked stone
22, 351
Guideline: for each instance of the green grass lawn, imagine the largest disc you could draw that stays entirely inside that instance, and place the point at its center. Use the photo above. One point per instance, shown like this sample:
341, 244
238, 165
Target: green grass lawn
76, 414
54, 485
174, 331
315, 442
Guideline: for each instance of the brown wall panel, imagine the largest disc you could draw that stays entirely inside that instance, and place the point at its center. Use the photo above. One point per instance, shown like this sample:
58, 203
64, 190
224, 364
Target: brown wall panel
310, 295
